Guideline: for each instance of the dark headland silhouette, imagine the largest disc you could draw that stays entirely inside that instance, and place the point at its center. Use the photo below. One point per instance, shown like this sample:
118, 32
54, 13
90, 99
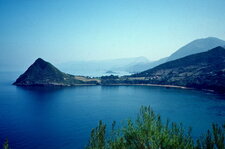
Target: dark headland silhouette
42, 73
204, 70
194, 47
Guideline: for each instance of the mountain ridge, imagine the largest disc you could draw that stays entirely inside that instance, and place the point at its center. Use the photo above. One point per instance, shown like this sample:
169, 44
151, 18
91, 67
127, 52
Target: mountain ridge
115, 65
204, 70
193, 47
196, 46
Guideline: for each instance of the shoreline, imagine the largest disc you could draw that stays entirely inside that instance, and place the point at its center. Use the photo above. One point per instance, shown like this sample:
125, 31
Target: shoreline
120, 84
157, 85
167, 86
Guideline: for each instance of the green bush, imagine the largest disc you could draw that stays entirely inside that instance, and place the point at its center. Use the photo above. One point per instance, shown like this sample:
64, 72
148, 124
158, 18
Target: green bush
6, 144
149, 132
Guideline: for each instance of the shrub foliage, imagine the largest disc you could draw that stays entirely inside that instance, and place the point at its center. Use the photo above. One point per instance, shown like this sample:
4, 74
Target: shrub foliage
149, 132
6, 144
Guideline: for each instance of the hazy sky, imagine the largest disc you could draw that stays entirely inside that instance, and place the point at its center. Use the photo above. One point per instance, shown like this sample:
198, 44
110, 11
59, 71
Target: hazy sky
61, 31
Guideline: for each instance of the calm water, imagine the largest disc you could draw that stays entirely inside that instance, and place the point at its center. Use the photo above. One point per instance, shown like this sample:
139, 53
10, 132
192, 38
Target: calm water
62, 118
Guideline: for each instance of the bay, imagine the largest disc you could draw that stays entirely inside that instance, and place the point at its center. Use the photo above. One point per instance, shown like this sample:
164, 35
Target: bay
62, 118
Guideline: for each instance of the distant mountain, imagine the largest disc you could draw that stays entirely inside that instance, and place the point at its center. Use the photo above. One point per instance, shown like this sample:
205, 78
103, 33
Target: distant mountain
144, 66
204, 70
42, 73
125, 66
100, 67
197, 46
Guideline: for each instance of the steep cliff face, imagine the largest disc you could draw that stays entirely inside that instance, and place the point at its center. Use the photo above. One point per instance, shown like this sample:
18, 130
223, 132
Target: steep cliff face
205, 70
42, 73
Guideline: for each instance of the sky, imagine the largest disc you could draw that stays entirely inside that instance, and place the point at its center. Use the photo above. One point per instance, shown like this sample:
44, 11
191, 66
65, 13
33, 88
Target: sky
70, 30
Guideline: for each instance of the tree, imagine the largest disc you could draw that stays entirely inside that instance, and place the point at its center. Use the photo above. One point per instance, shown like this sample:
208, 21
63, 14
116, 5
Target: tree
149, 132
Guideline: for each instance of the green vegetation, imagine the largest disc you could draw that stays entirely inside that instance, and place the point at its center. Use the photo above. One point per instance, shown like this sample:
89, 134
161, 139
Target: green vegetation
6, 144
42, 73
107, 80
200, 71
149, 132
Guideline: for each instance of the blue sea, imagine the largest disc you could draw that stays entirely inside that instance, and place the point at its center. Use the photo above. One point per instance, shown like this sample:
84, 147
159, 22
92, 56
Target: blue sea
62, 118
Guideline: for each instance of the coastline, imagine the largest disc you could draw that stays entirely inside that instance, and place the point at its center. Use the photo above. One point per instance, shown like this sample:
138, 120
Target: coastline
119, 84
156, 85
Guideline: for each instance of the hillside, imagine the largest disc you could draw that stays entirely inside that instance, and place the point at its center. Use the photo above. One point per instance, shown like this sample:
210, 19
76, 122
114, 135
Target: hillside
42, 73
139, 67
194, 47
197, 46
204, 70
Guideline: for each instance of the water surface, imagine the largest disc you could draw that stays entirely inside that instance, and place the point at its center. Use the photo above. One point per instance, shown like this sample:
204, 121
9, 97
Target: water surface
57, 118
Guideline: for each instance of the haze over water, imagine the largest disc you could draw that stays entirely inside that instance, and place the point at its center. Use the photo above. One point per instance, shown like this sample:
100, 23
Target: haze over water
61, 31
